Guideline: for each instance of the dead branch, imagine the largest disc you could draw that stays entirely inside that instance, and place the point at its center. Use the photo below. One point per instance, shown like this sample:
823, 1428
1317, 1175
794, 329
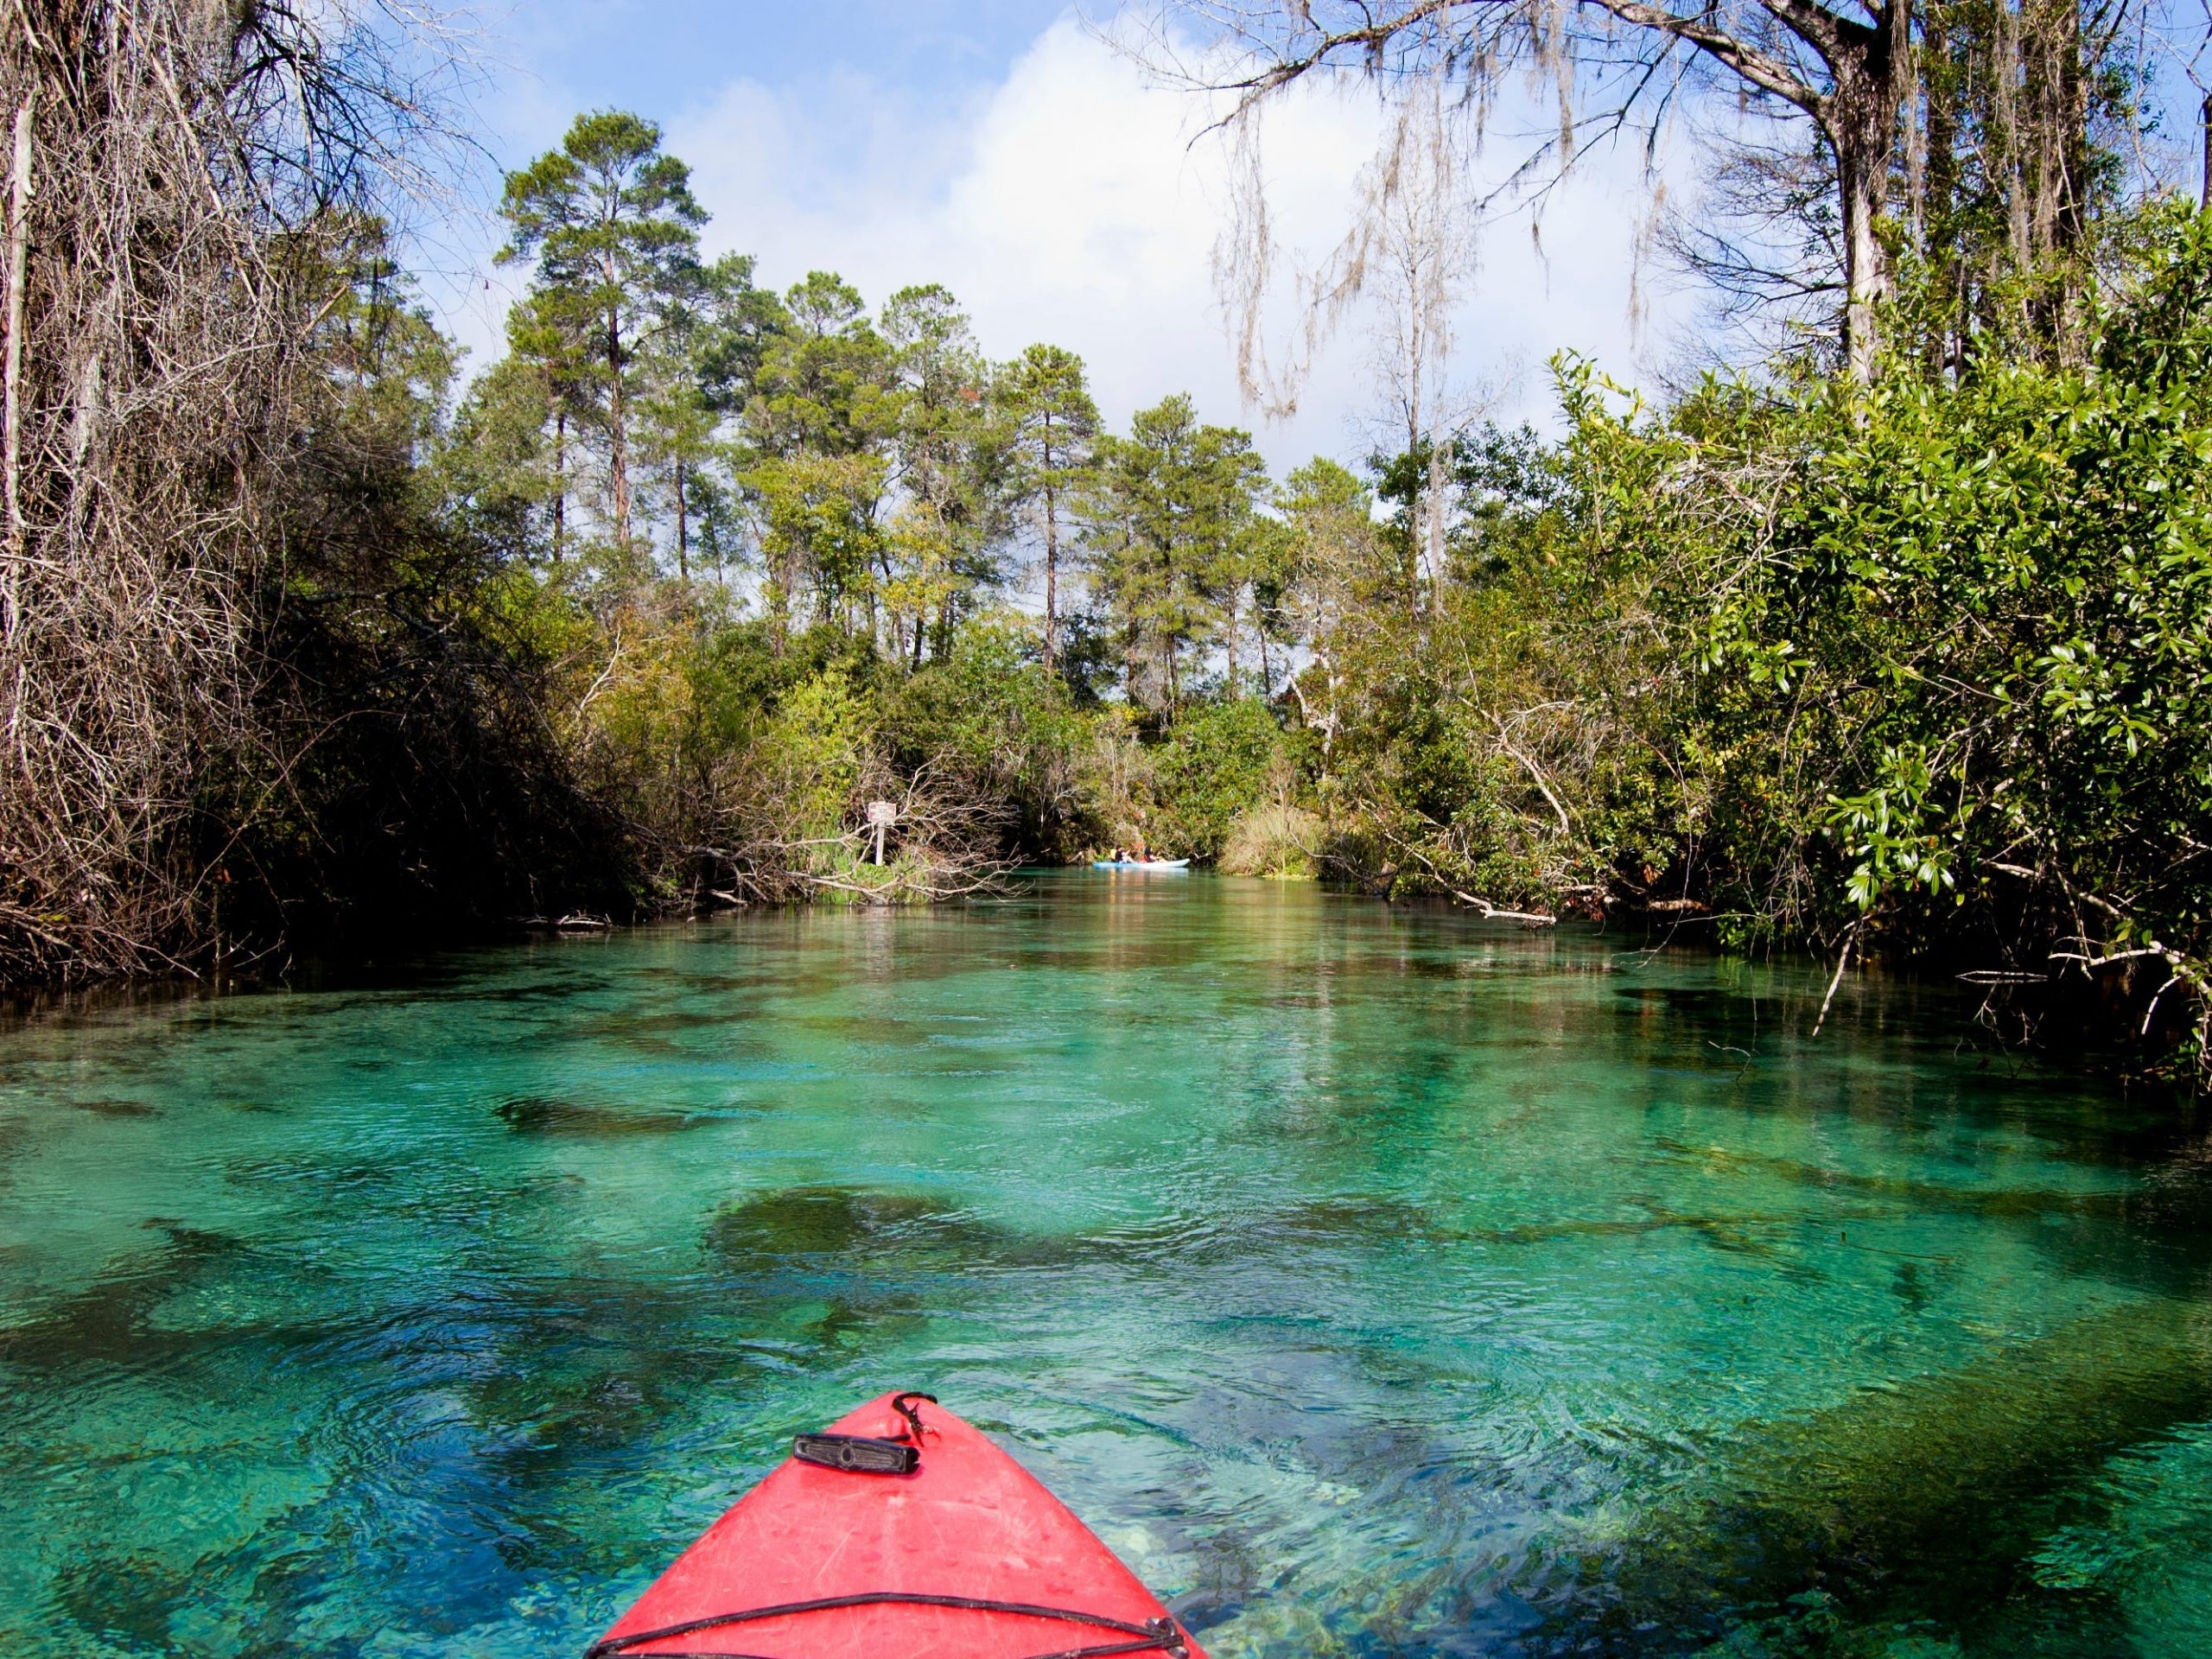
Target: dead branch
179, 176
1842, 961
1499, 913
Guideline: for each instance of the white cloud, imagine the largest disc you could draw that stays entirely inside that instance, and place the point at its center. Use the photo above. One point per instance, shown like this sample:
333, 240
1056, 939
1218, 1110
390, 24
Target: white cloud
1069, 204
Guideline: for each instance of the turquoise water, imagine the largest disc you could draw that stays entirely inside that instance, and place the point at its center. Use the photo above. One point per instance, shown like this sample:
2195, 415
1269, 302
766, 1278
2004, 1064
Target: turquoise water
1377, 1282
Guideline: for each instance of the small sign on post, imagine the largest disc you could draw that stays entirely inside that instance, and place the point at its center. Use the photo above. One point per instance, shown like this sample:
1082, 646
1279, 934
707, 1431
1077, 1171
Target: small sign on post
881, 815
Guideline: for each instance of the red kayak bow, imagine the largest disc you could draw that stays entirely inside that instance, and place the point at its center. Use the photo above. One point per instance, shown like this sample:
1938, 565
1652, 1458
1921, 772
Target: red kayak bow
899, 1533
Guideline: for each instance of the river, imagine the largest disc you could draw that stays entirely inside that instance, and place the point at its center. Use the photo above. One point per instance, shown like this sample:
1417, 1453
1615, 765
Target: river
1377, 1281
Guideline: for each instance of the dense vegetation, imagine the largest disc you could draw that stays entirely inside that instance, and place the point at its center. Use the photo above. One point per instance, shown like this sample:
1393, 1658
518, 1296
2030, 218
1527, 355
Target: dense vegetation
708, 594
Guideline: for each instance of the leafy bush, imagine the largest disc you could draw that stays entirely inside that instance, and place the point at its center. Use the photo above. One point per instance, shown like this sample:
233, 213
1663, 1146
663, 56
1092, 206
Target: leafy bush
1216, 760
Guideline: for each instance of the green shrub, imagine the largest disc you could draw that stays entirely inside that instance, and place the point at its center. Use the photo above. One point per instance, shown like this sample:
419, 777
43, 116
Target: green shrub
1276, 839
1217, 760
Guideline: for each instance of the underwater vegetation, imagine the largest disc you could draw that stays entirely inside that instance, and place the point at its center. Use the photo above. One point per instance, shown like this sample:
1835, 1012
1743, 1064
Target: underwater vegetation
1366, 1311
1921, 1500
544, 1115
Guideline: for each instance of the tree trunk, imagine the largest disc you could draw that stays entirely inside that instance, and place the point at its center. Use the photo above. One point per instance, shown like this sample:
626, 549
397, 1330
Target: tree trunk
2061, 118
682, 529
1859, 119
1415, 504
618, 434
1939, 239
1052, 580
1865, 268
19, 246
1232, 643
876, 619
560, 479
2056, 145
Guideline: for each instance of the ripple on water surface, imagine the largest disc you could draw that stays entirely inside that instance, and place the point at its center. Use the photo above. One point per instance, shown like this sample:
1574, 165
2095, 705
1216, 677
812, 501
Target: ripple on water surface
1376, 1282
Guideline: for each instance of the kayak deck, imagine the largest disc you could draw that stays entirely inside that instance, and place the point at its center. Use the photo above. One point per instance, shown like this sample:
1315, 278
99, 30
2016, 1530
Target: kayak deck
966, 1557
1140, 864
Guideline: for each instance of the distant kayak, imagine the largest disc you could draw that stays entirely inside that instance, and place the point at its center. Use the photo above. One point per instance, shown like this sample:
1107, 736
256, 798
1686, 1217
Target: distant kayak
1140, 863
898, 1533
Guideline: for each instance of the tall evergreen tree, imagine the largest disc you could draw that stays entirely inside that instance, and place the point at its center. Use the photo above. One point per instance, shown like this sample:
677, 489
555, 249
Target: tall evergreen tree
698, 372
1172, 512
545, 343
1055, 427
824, 380
613, 224
945, 448
822, 412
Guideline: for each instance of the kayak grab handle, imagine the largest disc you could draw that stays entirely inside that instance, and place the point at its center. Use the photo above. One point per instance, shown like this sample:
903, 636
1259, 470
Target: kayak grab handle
862, 1454
870, 1454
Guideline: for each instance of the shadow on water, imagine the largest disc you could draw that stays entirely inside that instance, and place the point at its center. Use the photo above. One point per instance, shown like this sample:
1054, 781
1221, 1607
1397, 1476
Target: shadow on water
131, 1599
1357, 1219
546, 1114
2154, 1235
113, 1106
846, 1227
865, 1233
2179, 1199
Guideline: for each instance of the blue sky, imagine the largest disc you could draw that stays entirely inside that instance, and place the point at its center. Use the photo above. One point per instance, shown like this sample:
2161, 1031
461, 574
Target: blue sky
1001, 148
671, 53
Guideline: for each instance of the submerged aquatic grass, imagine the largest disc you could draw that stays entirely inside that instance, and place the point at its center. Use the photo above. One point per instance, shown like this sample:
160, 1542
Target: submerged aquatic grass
1376, 1282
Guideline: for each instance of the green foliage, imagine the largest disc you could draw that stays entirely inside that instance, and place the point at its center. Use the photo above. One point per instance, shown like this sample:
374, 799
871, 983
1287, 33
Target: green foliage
813, 747
823, 386
1173, 529
1922, 664
1214, 763
611, 221
1987, 605
406, 665
1053, 432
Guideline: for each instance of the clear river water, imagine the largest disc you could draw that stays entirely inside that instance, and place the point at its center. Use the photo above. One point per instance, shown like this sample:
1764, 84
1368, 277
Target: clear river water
1377, 1281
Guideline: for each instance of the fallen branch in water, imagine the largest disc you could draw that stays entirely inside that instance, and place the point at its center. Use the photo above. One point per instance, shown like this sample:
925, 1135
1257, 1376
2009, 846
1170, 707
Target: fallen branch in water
2184, 972
1842, 961
1499, 913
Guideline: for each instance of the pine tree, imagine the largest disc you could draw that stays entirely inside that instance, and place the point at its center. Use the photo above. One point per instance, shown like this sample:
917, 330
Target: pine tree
698, 373
822, 412
1172, 512
945, 446
1055, 427
615, 232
